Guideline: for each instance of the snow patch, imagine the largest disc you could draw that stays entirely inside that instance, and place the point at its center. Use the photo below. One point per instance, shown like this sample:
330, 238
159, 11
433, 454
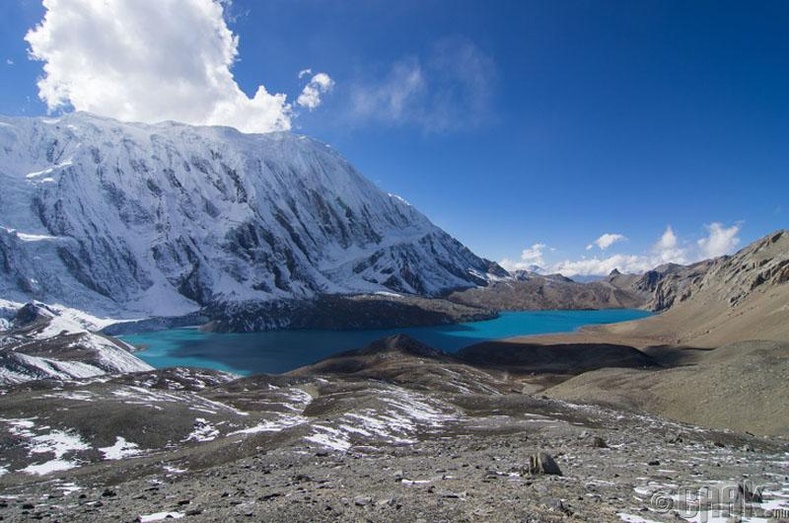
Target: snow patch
329, 437
203, 431
68, 488
170, 469
160, 516
49, 170
73, 395
121, 449
55, 465
276, 425
630, 518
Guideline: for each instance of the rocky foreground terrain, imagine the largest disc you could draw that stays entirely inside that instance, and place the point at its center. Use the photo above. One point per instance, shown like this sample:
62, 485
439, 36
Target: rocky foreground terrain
395, 432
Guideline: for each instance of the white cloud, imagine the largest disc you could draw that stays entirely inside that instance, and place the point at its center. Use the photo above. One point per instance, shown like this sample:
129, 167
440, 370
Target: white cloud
149, 60
606, 240
627, 263
310, 97
719, 241
530, 259
447, 89
392, 99
534, 253
9, 61
304, 72
667, 249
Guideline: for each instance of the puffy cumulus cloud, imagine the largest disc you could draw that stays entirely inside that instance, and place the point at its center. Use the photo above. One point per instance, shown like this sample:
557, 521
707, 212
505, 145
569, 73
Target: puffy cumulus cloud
447, 89
149, 60
628, 263
606, 240
534, 253
531, 259
310, 96
720, 240
667, 248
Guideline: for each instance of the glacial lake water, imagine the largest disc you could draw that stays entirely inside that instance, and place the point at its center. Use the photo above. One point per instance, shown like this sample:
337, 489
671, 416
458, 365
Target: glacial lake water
281, 351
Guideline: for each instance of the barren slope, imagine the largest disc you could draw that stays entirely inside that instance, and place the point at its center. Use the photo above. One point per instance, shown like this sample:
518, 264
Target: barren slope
742, 386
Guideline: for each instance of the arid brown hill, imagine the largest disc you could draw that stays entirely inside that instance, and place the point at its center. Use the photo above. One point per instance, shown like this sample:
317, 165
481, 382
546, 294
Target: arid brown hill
740, 297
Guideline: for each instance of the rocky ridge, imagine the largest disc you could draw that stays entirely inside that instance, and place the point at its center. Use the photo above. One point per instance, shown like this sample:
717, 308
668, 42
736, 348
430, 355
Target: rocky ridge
41, 342
730, 280
734, 298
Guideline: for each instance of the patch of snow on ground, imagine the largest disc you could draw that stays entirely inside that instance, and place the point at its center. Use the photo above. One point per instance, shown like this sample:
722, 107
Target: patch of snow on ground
27, 237
54, 465
329, 437
705, 517
135, 395
630, 518
68, 488
56, 442
388, 294
398, 421
59, 369
277, 425
121, 449
74, 395
203, 431
3, 470
298, 396
160, 516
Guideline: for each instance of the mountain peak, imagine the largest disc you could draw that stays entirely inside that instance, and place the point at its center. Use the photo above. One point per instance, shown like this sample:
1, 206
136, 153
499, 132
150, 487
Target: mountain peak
133, 219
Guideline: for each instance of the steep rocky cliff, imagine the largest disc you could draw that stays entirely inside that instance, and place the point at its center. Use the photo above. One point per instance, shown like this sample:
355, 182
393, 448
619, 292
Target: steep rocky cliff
143, 220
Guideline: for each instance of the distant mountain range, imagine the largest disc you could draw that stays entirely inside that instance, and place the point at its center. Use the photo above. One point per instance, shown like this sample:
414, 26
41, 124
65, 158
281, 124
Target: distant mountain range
756, 272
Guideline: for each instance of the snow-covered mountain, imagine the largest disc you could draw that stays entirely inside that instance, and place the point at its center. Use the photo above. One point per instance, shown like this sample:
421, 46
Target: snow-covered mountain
139, 220
42, 342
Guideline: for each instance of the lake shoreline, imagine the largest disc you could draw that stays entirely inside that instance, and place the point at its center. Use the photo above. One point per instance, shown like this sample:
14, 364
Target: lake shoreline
276, 352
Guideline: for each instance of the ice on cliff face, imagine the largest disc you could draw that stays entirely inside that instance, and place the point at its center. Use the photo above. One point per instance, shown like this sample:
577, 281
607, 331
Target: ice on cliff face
139, 220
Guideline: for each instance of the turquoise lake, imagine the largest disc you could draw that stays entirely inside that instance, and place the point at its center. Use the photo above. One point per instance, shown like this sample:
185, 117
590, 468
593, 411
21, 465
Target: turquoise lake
281, 351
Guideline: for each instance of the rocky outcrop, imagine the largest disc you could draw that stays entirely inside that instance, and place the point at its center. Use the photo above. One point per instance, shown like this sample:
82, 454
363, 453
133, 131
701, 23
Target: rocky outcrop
764, 263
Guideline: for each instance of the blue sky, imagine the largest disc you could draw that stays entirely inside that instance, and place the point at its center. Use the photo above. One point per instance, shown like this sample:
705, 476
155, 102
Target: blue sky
578, 135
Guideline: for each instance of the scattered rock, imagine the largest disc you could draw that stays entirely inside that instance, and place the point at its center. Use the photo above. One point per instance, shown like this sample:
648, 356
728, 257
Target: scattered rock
748, 493
599, 443
543, 463
674, 438
362, 501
